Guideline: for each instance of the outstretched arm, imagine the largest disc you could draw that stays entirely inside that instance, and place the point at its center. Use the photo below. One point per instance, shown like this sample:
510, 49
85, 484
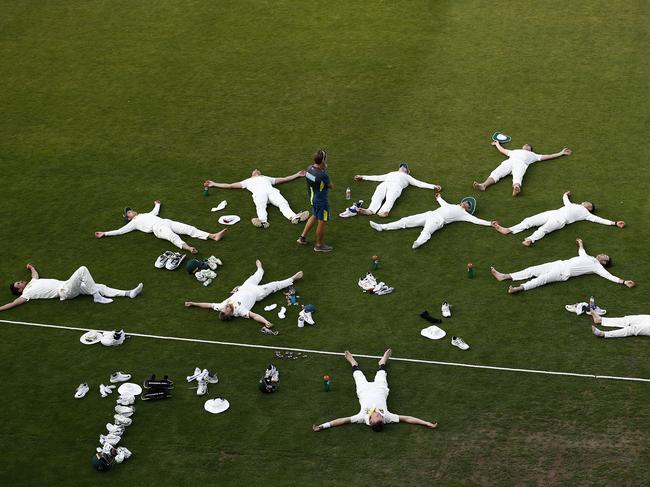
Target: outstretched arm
13, 304
129, 227
441, 201
500, 148
602, 272
212, 184
32, 269
260, 319
422, 184
581, 248
331, 424
476, 221
381, 177
565, 198
299, 174
189, 304
417, 421
548, 157
156, 208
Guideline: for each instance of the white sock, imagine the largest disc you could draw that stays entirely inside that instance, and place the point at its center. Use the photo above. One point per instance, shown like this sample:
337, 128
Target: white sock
282, 313
135, 291
98, 298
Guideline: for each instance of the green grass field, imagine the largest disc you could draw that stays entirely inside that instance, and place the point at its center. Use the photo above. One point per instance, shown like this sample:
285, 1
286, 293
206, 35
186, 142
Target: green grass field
108, 104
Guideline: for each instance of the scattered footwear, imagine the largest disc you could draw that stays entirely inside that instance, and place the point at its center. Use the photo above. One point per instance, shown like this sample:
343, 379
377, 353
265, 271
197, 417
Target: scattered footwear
105, 390
305, 317
323, 248
268, 331
259, 223
352, 210
126, 411
119, 377
81, 391
115, 429
460, 343
282, 314
110, 438
125, 400
202, 389
446, 310
122, 420
270, 307
302, 240
211, 377
162, 259
174, 261
584, 307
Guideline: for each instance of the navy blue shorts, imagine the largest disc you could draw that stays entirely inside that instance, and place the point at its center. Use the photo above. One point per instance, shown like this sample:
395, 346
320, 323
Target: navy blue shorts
321, 211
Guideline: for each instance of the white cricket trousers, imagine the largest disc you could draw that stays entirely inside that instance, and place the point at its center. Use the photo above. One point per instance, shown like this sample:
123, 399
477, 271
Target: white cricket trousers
384, 191
362, 383
262, 198
81, 282
252, 284
633, 325
546, 221
429, 220
169, 230
543, 274
517, 169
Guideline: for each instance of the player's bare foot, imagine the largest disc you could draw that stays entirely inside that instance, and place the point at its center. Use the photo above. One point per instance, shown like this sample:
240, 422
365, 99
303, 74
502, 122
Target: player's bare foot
499, 276
527, 243
350, 358
193, 250
297, 276
258, 263
597, 332
385, 357
514, 290
217, 236
516, 189
383, 214
499, 228
479, 186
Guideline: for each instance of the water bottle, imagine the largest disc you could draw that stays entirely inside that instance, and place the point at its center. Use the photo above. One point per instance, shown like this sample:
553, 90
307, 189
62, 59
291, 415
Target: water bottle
592, 303
206, 190
348, 193
375, 264
326, 383
470, 270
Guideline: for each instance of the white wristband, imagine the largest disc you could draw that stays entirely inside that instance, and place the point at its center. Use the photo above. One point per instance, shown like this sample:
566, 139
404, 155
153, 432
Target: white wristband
324, 426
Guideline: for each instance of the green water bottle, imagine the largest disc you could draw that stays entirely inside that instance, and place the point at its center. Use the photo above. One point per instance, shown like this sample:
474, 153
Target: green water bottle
206, 190
470, 270
326, 383
375, 264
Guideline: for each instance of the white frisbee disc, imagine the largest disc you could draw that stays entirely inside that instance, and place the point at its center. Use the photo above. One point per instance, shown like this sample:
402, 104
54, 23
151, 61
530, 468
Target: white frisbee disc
216, 406
129, 389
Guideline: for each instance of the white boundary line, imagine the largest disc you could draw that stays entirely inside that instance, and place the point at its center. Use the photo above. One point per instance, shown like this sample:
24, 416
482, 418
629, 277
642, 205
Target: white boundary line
325, 352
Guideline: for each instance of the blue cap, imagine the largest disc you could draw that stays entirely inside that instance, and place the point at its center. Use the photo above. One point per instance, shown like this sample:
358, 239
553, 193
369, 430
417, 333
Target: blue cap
310, 308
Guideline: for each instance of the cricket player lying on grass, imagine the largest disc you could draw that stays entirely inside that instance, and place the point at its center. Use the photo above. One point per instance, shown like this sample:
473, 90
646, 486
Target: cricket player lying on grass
549, 221
372, 400
165, 229
390, 188
244, 297
80, 282
628, 326
263, 192
517, 165
434, 220
561, 270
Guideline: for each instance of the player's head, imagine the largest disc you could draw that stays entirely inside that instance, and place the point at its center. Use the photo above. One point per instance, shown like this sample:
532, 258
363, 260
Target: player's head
255, 173
17, 287
604, 259
404, 167
528, 147
227, 313
129, 214
320, 157
376, 421
589, 205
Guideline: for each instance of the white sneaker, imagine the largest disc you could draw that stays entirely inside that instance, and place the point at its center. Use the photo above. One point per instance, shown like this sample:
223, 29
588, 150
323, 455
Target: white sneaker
210, 377
259, 223
111, 439
282, 314
122, 420
125, 400
122, 454
174, 261
119, 377
598, 310
459, 342
98, 298
303, 216
202, 389
126, 411
136, 290
114, 429
446, 310
197, 373
376, 226
301, 320
82, 390
307, 318
162, 259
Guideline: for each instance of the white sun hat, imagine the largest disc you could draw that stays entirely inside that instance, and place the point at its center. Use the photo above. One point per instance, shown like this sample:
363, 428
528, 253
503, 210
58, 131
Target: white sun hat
129, 389
91, 337
433, 332
216, 406
229, 219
